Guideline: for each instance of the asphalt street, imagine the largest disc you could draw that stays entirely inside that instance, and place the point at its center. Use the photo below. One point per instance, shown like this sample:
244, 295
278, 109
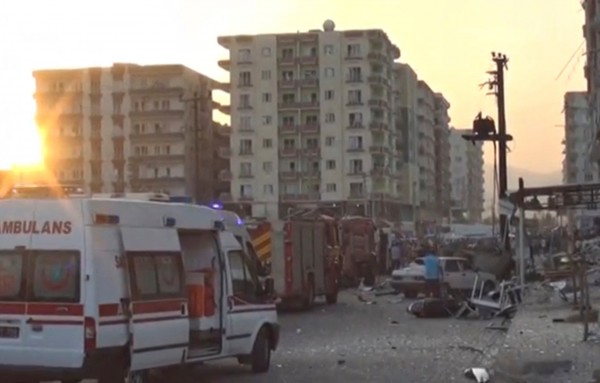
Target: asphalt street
354, 341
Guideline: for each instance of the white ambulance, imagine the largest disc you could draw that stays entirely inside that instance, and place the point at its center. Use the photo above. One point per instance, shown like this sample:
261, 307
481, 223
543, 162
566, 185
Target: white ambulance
111, 289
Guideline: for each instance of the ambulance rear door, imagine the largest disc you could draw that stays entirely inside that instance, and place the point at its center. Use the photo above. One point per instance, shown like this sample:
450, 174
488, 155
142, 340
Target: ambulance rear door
159, 323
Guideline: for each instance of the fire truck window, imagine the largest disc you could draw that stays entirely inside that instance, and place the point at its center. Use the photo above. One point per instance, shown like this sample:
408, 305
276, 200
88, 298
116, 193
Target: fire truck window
55, 276
244, 282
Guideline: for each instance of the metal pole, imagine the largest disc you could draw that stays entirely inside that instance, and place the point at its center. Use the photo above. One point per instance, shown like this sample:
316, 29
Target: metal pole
501, 61
522, 245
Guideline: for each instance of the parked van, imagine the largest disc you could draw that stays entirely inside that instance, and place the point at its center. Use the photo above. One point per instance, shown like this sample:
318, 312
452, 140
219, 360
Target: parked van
111, 289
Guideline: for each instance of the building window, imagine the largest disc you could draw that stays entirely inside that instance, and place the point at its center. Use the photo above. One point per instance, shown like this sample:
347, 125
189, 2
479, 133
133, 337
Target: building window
354, 74
267, 143
312, 143
267, 166
330, 118
246, 191
287, 75
354, 97
268, 189
266, 97
265, 75
266, 52
331, 188
244, 55
328, 49
353, 50
356, 166
289, 143
329, 94
330, 165
356, 188
289, 120
287, 53
168, 172
267, 120
245, 122
355, 119
588, 177
244, 101
166, 104
356, 142
312, 120
246, 146
311, 74
329, 72
245, 169
245, 78
329, 141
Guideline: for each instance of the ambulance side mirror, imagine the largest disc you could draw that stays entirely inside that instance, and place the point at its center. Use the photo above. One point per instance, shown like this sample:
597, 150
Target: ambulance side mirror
269, 289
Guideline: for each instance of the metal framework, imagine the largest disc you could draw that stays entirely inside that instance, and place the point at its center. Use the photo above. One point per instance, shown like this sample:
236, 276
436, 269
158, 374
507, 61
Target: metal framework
557, 198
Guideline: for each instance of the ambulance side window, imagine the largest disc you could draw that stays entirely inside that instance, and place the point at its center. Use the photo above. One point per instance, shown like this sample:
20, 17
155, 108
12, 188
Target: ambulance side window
156, 275
243, 280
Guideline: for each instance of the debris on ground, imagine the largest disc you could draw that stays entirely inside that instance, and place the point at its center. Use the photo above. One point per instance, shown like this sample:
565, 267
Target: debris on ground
479, 375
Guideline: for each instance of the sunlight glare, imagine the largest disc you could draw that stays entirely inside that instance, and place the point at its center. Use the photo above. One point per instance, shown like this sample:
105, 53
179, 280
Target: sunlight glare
23, 151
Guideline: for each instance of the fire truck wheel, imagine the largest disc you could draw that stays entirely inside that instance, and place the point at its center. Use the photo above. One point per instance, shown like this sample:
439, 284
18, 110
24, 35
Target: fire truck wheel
309, 299
332, 298
261, 352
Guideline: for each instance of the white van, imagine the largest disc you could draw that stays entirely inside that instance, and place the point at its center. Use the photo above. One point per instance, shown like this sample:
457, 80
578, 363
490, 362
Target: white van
110, 289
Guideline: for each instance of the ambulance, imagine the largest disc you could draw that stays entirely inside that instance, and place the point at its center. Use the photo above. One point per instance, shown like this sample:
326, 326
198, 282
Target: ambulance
116, 289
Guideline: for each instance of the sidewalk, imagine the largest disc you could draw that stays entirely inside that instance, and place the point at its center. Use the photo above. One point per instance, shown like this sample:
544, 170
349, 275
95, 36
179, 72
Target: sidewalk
537, 350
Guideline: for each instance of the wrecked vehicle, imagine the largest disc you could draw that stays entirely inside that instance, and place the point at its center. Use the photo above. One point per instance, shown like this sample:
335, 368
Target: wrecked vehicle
458, 277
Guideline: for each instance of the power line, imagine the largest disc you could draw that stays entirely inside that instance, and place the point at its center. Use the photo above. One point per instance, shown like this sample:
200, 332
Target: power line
570, 59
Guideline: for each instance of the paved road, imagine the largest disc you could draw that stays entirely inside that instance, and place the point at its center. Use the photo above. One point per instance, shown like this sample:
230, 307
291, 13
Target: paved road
357, 342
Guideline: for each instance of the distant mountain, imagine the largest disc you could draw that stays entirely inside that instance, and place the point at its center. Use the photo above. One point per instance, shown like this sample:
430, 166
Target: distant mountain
531, 178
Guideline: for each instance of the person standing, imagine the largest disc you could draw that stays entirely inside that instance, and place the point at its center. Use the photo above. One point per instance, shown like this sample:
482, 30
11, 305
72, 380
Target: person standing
433, 273
395, 254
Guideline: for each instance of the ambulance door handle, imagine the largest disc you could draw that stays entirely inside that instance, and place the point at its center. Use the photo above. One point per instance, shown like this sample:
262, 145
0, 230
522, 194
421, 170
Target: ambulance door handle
183, 309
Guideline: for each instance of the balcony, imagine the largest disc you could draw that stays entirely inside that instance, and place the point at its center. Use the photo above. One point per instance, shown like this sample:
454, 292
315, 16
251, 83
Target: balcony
309, 128
355, 149
225, 176
307, 82
244, 107
245, 129
224, 152
157, 136
358, 194
245, 152
356, 173
378, 149
288, 176
378, 57
293, 105
354, 103
288, 152
351, 56
379, 127
308, 60
288, 129
355, 126
311, 174
225, 64
157, 113
300, 197
380, 171
354, 79
381, 104
158, 158
377, 79
245, 174
286, 60
311, 152
246, 198
244, 84
287, 83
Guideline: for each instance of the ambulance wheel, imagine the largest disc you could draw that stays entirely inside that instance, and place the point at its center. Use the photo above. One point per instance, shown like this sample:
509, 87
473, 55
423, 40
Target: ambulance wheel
261, 352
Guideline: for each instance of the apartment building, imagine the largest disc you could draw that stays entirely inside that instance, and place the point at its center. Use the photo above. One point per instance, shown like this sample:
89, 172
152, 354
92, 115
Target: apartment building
467, 177
130, 128
426, 150
406, 100
313, 123
443, 188
578, 141
591, 33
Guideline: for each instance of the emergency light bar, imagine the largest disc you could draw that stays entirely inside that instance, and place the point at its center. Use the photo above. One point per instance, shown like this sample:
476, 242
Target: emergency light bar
106, 219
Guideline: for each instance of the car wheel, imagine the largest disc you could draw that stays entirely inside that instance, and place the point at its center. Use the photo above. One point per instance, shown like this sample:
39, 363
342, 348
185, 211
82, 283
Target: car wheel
261, 352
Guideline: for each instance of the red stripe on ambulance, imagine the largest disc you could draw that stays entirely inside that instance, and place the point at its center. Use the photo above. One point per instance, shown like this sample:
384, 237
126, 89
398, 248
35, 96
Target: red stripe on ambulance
46, 309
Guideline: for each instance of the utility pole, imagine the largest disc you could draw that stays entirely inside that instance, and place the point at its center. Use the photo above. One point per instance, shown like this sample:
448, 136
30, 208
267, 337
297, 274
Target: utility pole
484, 129
196, 99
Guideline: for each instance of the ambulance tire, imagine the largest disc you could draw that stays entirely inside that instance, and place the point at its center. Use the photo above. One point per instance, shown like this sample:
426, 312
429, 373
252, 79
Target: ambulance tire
260, 359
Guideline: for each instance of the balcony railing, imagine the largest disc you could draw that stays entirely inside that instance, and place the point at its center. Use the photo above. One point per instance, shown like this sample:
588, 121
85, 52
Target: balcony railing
288, 152
291, 105
288, 176
286, 60
356, 125
246, 175
288, 129
309, 128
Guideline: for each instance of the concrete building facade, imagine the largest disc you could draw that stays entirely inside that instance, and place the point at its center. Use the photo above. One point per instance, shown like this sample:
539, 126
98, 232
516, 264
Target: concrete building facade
426, 150
591, 33
443, 187
467, 177
127, 128
579, 138
313, 123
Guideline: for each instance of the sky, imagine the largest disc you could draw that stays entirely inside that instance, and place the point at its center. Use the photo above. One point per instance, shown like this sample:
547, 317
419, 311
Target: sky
447, 42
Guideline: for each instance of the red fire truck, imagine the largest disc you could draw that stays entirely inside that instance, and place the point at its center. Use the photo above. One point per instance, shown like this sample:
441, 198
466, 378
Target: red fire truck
359, 250
305, 260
